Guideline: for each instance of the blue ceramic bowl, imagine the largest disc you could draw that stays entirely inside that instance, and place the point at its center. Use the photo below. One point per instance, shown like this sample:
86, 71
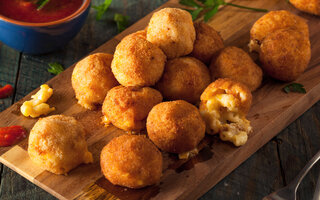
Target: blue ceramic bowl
40, 38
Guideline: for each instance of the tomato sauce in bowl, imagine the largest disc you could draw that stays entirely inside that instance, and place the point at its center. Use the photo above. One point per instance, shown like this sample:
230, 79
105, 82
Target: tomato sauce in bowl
27, 10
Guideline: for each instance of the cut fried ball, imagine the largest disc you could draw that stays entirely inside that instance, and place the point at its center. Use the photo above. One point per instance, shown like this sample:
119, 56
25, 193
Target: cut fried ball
92, 79
207, 44
175, 126
127, 107
224, 105
272, 21
57, 144
285, 54
137, 62
132, 161
172, 30
236, 64
184, 78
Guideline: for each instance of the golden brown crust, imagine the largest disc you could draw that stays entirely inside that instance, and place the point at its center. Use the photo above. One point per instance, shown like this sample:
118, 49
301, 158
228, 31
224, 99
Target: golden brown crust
207, 44
172, 30
92, 79
175, 126
141, 33
236, 64
137, 62
285, 54
184, 78
272, 21
57, 143
131, 161
309, 6
229, 86
128, 107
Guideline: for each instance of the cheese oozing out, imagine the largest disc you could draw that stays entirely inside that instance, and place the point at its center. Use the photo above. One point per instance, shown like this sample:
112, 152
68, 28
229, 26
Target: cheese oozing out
188, 154
222, 116
37, 105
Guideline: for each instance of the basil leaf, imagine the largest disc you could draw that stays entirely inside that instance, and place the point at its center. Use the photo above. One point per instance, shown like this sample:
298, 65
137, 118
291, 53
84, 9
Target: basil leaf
55, 68
122, 21
102, 8
294, 87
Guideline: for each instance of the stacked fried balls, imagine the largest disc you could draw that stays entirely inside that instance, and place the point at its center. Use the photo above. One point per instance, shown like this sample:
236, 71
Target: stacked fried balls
178, 81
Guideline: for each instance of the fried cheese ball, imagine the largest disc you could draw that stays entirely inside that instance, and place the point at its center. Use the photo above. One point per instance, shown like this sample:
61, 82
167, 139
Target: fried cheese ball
142, 34
57, 144
132, 161
184, 78
236, 64
224, 106
127, 107
207, 44
175, 126
309, 6
137, 62
92, 79
172, 30
285, 54
273, 21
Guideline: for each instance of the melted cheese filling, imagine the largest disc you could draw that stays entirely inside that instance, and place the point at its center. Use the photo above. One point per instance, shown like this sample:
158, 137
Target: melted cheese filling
222, 116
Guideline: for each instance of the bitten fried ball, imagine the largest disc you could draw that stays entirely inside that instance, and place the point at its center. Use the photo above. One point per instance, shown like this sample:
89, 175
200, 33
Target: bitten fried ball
92, 79
184, 78
236, 64
224, 106
175, 126
207, 44
273, 21
132, 161
285, 54
172, 30
309, 6
137, 62
57, 143
127, 107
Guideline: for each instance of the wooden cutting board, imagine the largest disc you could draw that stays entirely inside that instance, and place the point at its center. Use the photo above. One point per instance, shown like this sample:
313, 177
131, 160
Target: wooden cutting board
272, 110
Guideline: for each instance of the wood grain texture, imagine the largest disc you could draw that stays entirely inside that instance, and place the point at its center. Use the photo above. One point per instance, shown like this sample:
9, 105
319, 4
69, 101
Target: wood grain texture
239, 39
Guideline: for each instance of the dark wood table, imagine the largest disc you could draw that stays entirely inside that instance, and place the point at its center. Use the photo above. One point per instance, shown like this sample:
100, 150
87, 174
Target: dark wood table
270, 168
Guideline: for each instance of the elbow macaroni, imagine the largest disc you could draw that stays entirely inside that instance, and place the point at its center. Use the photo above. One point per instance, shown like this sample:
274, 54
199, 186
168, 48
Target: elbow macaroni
38, 106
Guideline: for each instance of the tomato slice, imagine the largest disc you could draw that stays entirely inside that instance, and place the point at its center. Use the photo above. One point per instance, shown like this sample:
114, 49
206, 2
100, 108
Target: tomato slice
11, 135
6, 91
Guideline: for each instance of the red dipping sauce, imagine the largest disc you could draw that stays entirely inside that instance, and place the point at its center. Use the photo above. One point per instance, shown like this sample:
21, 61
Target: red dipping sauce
26, 10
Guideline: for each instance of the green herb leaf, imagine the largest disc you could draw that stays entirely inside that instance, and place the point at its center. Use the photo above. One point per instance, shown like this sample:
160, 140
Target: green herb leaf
190, 3
55, 68
102, 8
210, 7
41, 4
195, 13
211, 13
122, 21
294, 87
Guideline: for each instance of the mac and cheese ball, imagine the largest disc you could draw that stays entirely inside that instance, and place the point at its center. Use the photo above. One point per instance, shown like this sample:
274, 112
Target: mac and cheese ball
127, 107
57, 144
273, 21
285, 54
236, 64
172, 30
132, 161
224, 106
184, 78
92, 79
137, 62
309, 6
207, 44
175, 126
